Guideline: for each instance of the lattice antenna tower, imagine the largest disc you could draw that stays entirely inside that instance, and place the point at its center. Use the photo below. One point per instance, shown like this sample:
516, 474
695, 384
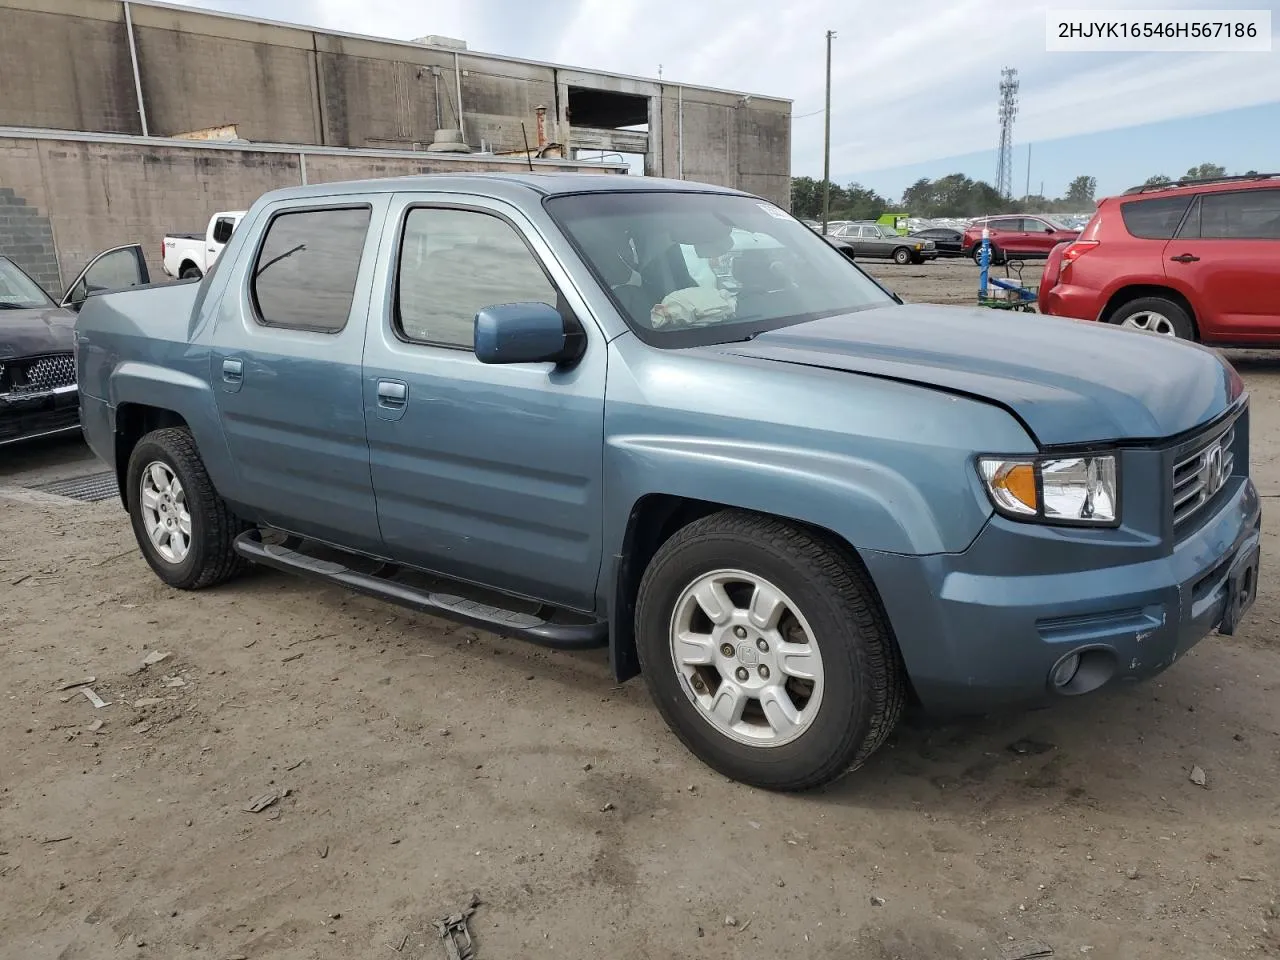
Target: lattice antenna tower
1008, 110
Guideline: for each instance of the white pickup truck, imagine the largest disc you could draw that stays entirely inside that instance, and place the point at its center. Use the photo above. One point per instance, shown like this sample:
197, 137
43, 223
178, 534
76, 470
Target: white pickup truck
189, 256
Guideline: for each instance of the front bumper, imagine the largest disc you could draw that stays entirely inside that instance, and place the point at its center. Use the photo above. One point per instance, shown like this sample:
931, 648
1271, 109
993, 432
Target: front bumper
976, 635
28, 416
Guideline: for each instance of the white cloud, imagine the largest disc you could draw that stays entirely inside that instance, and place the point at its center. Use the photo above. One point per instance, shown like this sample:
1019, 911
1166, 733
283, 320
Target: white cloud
913, 80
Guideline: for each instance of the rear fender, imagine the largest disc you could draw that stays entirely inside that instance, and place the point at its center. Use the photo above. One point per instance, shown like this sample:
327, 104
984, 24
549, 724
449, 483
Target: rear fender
188, 396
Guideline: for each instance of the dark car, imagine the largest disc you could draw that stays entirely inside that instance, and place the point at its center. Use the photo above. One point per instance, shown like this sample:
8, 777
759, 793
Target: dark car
1021, 237
38, 394
948, 242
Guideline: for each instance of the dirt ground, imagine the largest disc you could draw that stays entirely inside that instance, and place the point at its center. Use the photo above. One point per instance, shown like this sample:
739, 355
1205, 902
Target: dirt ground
424, 762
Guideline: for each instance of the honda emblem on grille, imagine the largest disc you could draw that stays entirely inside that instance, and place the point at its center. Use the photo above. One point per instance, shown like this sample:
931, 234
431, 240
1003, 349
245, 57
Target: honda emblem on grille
1213, 470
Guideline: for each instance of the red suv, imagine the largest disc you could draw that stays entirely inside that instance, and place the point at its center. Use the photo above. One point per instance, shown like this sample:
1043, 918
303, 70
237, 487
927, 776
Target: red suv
1021, 236
1198, 260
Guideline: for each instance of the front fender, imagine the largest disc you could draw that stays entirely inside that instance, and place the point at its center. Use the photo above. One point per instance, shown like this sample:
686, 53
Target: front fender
866, 502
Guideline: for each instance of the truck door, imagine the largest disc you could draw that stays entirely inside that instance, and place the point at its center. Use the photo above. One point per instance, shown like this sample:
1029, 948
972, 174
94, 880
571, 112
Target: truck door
285, 369
487, 473
219, 233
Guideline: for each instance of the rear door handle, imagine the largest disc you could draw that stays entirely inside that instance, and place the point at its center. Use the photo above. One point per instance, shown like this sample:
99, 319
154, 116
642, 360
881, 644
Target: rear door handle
1185, 258
392, 393
393, 399
232, 370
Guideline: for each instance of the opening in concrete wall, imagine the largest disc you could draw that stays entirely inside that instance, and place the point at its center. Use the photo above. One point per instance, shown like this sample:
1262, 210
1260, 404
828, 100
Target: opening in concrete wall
607, 109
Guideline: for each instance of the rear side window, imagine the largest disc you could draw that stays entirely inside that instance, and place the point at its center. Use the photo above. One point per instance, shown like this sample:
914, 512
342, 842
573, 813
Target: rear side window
305, 274
1247, 215
453, 264
1154, 219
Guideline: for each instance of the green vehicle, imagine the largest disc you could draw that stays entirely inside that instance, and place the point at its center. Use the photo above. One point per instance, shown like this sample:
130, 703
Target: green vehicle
897, 222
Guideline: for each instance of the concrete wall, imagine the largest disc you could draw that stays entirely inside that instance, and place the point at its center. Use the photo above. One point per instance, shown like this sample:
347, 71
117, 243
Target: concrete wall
285, 84
65, 199
65, 65
199, 71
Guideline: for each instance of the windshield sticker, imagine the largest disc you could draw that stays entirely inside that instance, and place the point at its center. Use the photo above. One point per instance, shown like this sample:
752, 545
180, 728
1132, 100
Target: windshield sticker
773, 211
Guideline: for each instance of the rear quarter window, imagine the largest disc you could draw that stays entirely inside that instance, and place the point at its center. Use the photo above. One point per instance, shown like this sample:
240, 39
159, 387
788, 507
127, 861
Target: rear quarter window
1154, 219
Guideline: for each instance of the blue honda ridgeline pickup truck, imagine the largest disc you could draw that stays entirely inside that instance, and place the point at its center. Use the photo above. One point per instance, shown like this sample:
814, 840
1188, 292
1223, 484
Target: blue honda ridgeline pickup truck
671, 420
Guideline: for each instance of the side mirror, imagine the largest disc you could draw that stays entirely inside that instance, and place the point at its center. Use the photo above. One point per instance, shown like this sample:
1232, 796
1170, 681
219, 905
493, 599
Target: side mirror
527, 333
1048, 230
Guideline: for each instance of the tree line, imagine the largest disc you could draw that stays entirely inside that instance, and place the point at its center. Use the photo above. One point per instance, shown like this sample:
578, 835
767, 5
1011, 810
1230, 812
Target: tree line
956, 195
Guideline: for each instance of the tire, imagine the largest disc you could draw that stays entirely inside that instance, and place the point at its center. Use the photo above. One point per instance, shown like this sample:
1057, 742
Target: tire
902, 256
1155, 315
209, 557
861, 684
190, 272
977, 254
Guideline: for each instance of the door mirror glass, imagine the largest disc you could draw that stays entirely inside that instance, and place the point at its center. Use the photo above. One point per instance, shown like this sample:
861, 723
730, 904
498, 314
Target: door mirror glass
526, 333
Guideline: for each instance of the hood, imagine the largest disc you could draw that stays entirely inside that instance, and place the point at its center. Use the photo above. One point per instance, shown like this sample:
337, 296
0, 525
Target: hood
28, 333
1069, 381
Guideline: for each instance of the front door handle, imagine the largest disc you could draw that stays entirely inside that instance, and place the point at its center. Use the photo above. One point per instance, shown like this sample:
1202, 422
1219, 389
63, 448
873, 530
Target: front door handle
232, 370
1185, 258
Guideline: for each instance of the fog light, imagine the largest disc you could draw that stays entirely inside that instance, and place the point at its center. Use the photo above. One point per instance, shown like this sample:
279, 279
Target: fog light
1065, 671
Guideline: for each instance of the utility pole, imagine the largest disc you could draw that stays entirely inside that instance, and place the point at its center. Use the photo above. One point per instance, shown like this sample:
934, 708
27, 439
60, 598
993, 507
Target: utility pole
826, 144
1028, 193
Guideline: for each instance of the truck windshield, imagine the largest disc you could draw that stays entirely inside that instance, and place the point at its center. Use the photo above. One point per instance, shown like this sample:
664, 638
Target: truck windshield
18, 291
688, 269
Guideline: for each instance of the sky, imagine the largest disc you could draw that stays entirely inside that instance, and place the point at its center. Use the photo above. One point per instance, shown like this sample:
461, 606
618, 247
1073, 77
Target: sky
914, 82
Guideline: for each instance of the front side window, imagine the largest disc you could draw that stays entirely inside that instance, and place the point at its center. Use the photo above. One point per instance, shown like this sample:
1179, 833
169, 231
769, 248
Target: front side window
453, 264
770, 270
304, 277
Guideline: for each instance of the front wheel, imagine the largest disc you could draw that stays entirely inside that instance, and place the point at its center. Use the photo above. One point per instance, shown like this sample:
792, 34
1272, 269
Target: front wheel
184, 528
902, 256
766, 651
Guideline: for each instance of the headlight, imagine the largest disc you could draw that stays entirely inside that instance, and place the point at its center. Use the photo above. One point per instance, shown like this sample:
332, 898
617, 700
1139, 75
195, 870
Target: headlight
1066, 490
919, 246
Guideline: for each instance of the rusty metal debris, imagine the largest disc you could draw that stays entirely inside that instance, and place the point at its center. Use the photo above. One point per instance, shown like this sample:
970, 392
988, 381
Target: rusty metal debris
455, 933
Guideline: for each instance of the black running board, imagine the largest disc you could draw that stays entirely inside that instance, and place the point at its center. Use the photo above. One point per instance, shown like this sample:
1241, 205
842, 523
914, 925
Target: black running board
508, 623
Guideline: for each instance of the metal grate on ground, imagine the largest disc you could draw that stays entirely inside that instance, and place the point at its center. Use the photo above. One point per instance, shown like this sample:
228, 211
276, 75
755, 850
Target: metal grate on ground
90, 489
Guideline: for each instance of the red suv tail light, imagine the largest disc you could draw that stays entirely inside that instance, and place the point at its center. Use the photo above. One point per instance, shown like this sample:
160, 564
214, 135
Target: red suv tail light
1076, 250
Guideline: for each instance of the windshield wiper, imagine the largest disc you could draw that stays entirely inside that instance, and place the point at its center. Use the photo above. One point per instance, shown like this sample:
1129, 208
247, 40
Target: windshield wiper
15, 306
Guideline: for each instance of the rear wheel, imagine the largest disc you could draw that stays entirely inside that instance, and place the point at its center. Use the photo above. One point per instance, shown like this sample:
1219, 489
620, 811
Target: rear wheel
184, 528
766, 652
190, 272
1156, 315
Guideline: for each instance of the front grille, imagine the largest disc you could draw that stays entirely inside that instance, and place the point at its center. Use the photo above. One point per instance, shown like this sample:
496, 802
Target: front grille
1200, 474
38, 374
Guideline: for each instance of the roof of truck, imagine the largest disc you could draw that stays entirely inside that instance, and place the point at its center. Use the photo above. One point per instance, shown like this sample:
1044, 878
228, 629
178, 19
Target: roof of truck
504, 185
